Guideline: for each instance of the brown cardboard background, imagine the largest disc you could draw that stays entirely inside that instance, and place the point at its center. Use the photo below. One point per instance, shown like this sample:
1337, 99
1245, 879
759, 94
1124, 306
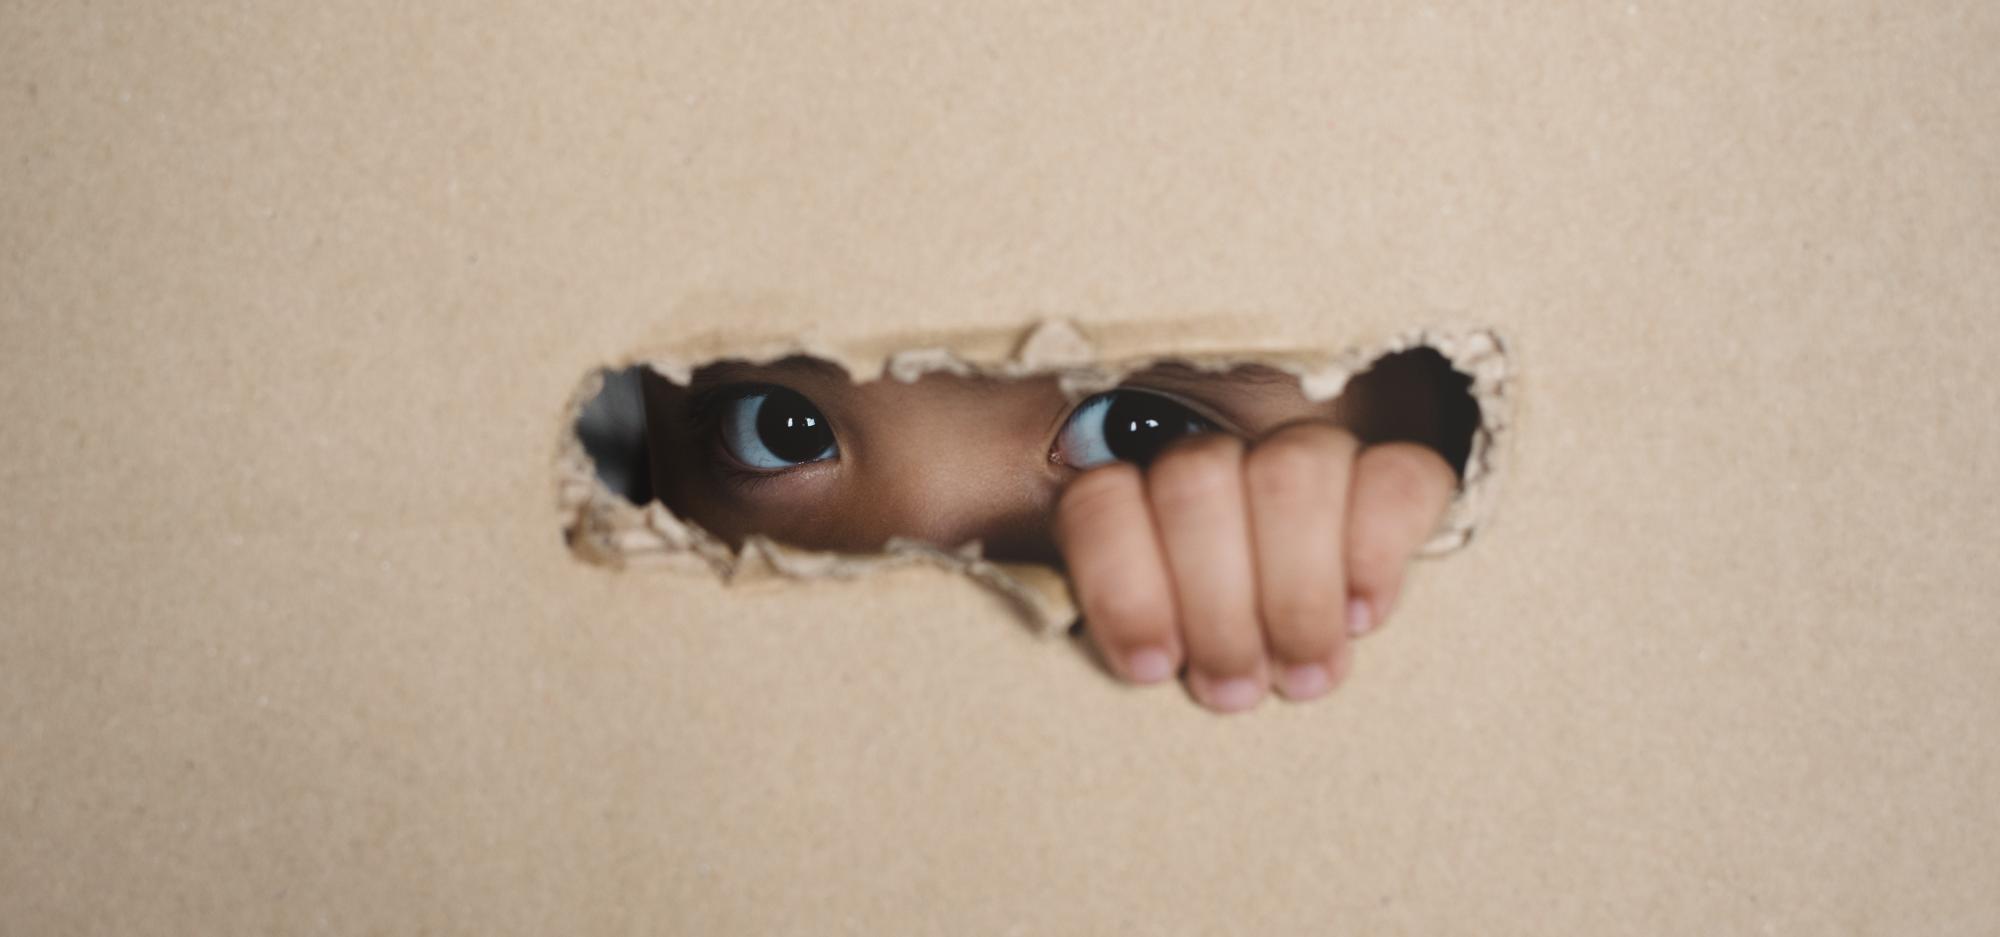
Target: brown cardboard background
292, 302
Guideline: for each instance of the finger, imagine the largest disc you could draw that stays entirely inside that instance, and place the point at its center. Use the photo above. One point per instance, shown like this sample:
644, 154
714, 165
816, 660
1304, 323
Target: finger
1399, 495
1104, 529
1196, 492
1296, 482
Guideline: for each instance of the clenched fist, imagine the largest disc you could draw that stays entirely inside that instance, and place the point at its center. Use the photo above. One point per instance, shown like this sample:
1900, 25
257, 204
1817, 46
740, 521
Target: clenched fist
1253, 565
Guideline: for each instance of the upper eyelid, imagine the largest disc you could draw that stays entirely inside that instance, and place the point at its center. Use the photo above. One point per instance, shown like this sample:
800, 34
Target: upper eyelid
737, 389
705, 401
1199, 408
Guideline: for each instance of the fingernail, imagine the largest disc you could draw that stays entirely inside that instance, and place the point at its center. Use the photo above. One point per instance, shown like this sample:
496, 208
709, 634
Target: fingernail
1360, 617
1231, 695
1149, 665
1304, 681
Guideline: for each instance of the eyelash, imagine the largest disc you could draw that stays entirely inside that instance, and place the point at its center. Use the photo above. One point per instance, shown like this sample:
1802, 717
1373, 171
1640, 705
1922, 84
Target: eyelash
1198, 409
747, 480
705, 411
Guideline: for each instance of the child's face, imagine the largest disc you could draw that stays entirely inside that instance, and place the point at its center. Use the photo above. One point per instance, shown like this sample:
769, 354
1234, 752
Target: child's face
1249, 555
794, 451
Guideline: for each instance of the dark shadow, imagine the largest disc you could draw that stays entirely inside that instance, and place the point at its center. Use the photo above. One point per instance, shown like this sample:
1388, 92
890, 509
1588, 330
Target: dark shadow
612, 429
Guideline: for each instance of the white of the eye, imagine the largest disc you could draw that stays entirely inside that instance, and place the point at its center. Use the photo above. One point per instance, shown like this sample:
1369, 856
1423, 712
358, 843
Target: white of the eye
1083, 439
740, 437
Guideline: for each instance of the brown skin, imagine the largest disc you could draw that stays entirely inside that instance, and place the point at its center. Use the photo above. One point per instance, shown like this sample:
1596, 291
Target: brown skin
1249, 556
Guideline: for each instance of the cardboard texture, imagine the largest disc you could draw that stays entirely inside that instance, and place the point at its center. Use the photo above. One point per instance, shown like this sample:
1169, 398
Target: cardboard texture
294, 301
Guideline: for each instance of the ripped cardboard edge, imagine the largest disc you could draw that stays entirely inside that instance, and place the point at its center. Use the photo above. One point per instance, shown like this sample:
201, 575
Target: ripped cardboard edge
603, 527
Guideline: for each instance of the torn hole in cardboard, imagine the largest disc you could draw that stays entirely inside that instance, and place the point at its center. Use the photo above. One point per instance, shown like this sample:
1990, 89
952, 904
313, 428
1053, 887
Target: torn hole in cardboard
613, 513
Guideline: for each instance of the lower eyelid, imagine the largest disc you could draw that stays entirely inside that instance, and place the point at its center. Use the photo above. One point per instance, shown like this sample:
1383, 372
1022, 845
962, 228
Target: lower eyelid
726, 469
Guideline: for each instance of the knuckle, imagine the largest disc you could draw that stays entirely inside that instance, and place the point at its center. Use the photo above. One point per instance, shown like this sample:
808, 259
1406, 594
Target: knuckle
1096, 492
1197, 470
1294, 461
1407, 463
1407, 476
1126, 612
1403, 494
1202, 448
1316, 433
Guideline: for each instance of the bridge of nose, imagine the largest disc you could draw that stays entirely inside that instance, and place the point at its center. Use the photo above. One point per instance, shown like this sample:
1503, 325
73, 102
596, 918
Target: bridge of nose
983, 493
951, 459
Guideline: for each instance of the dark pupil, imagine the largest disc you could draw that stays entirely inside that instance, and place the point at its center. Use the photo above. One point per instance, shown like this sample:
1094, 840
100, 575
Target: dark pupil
791, 427
1139, 425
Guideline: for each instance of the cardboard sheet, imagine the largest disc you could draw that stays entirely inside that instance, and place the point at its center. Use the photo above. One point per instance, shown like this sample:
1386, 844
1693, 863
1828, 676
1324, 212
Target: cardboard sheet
293, 303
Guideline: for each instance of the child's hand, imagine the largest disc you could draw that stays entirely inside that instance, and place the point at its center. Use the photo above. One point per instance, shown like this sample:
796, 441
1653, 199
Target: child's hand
1252, 564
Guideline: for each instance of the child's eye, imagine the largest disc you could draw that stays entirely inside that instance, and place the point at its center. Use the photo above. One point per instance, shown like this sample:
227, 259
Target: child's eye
772, 428
1128, 425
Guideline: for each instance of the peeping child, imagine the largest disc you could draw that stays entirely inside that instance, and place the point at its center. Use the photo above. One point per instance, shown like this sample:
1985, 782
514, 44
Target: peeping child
1218, 524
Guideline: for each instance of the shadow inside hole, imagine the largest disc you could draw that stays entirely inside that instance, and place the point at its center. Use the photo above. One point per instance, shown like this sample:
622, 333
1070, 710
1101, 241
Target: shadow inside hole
612, 429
